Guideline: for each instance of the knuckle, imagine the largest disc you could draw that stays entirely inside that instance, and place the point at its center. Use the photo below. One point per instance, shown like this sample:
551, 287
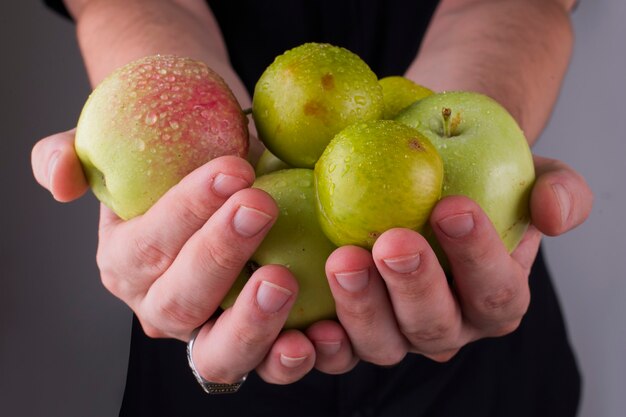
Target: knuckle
498, 300
111, 284
103, 260
249, 339
151, 331
355, 312
478, 256
109, 276
223, 256
194, 212
414, 291
180, 313
436, 332
147, 254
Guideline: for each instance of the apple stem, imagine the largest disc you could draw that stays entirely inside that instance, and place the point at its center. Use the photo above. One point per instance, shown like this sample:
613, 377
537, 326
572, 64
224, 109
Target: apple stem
445, 114
247, 111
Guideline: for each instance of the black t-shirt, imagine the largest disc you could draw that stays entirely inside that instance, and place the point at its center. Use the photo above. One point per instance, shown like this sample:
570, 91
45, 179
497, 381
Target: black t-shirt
531, 372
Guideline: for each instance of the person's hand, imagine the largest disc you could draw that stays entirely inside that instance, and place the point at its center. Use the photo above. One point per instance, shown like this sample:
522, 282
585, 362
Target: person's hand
397, 299
174, 264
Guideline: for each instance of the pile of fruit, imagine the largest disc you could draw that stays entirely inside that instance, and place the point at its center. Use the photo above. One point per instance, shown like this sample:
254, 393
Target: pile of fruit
348, 155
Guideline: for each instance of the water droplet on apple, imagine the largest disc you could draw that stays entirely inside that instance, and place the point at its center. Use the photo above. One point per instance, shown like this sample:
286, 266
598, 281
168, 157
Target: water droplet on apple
151, 118
174, 125
305, 183
360, 100
141, 145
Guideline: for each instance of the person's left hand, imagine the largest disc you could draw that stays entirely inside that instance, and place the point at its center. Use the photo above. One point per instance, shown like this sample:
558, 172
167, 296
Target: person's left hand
397, 299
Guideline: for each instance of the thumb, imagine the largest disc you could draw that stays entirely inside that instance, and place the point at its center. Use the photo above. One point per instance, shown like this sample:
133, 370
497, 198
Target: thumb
561, 198
56, 167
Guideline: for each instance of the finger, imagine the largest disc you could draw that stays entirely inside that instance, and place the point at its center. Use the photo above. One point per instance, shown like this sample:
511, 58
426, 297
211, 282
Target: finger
239, 340
57, 168
363, 307
526, 251
291, 357
141, 249
333, 351
194, 285
428, 315
561, 198
491, 286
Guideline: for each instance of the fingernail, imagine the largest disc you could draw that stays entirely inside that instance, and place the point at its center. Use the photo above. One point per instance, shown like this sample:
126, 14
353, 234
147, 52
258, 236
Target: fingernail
403, 264
248, 221
353, 281
290, 362
54, 158
562, 197
457, 225
328, 347
271, 297
227, 185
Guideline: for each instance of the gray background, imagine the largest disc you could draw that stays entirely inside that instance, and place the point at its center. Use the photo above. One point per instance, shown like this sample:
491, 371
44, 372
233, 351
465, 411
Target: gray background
64, 340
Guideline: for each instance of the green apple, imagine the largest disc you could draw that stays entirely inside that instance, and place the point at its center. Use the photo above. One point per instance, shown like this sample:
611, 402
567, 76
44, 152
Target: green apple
399, 93
375, 176
485, 154
297, 242
152, 122
307, 95
268, 162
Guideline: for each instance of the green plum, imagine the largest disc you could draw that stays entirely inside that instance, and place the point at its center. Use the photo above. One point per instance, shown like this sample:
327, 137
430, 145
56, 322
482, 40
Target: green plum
485, 154
152, 122
399, 93
297, 242
374, 176
268, 162
307, 95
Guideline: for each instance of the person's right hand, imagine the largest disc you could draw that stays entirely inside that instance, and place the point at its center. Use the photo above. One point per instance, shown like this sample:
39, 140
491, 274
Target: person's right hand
173, 265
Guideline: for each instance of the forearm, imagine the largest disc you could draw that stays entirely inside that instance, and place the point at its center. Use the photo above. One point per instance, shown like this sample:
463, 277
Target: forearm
112, 33
516, 51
